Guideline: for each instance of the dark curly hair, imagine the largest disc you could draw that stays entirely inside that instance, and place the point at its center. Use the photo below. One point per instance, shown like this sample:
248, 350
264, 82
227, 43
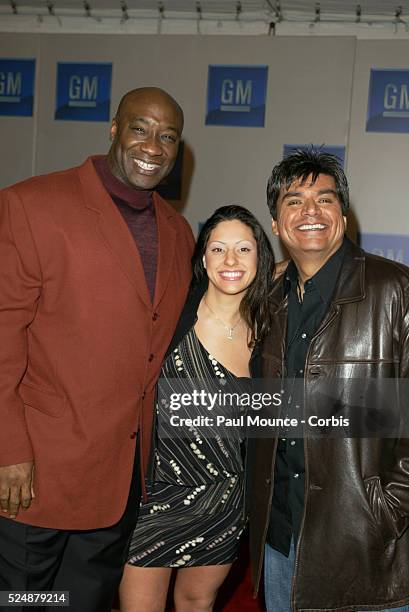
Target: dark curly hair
255, 305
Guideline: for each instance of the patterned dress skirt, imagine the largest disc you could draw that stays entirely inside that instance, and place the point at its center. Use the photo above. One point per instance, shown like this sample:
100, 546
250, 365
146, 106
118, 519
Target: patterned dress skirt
194, 513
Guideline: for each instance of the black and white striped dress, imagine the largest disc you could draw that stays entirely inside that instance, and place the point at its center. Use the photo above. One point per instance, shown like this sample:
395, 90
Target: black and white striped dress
194, 512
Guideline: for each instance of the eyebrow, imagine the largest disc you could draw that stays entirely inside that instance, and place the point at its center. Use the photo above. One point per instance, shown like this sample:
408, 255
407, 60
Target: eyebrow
237, 241
146, 122
292, 194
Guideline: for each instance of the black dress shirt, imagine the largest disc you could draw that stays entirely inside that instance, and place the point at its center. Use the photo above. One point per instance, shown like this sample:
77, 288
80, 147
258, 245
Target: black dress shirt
303, 321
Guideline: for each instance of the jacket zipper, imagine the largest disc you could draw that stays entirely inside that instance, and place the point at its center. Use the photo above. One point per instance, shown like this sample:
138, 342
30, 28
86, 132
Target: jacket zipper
261, 560
306, 484
244, 514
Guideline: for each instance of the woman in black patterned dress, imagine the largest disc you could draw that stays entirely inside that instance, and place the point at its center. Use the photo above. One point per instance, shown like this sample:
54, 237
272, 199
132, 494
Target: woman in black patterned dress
194, 514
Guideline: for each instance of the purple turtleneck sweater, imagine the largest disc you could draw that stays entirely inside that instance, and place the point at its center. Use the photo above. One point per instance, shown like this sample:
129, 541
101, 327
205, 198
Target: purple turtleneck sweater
138, 211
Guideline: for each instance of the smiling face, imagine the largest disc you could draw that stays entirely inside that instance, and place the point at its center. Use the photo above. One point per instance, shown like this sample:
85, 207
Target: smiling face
309, 221
230, 258
145, 138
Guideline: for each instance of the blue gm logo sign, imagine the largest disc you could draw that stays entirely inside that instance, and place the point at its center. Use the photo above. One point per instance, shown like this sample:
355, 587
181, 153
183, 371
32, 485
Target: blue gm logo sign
83, 91
17, 87
391, 246
236, 95
338, 151
388, 103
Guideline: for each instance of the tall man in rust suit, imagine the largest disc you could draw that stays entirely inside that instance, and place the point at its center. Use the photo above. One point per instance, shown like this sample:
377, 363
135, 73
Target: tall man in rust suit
330, 515
95, 267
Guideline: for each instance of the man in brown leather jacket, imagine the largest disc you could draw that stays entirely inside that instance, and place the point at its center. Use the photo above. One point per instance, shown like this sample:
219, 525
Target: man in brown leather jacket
330, 515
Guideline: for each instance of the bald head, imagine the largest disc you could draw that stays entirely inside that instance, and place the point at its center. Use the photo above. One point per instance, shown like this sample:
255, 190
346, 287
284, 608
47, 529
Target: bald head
148, 95
145, 134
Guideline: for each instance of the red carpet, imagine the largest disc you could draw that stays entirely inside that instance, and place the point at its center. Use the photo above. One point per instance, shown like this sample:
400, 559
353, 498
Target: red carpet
236, 594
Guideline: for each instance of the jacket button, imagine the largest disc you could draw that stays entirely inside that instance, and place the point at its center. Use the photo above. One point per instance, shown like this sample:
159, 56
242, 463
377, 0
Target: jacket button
155, 316
151, 356
133, 435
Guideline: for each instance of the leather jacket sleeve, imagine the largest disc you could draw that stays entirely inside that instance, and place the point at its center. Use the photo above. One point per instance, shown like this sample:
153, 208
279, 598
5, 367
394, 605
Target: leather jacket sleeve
390, 499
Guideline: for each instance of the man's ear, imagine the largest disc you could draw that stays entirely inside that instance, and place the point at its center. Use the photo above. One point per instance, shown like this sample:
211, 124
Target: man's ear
113, 130
274, 227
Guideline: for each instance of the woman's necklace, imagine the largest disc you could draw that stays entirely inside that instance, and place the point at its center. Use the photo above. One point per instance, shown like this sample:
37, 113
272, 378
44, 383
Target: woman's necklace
229, 329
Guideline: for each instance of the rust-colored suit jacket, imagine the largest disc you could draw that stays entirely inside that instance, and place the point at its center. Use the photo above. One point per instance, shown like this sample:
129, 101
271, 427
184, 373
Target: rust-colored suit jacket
81, 344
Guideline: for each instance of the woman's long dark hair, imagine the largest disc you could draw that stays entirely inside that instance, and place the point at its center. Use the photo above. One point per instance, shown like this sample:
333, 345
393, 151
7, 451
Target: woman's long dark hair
255, 305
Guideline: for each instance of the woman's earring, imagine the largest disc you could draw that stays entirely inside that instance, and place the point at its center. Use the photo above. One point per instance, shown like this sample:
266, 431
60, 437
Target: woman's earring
204, 262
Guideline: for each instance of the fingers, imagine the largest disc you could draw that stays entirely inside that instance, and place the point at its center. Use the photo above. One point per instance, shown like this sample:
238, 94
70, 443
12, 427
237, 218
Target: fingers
4, 499
14, 501
32, 483
25, 496
16, 488
11, 501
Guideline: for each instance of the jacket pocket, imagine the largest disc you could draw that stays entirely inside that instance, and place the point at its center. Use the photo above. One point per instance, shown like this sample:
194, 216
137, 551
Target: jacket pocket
379, 509
43, 400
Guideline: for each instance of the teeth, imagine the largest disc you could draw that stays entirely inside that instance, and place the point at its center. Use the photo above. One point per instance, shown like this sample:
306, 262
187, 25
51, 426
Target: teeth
231, 274
144, 165
311, 226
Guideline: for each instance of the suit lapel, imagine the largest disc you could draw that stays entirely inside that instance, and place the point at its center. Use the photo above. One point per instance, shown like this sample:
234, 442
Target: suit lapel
350, 284
166, 246
274, 343
112, 229
279, 330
